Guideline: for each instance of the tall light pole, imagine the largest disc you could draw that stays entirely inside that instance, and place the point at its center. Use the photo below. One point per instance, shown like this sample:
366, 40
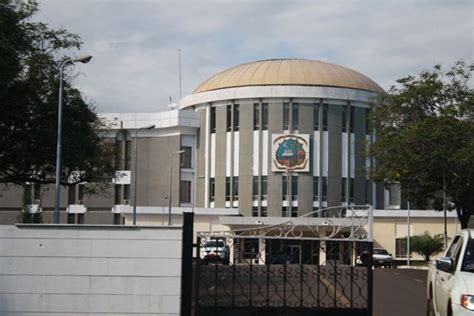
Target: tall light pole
408, 232
136, 173
170, 182
57, 199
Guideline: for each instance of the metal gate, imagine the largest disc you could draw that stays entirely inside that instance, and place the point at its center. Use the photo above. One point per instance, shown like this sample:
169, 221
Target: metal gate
317, 264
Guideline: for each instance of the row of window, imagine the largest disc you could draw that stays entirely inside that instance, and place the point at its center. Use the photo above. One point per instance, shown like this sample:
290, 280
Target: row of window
260, 189
260, 117
32, 194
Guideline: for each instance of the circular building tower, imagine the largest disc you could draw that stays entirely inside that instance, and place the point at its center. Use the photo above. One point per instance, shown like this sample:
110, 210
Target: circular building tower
283, 137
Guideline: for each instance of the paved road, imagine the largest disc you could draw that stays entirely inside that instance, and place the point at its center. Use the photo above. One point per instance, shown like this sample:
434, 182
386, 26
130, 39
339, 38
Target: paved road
399, 292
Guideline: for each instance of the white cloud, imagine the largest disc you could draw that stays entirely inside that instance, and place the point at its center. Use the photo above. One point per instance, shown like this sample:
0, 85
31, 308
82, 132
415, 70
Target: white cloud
135, 43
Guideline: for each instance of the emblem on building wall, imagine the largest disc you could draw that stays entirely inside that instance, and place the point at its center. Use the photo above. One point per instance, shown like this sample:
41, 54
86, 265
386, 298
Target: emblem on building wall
290, 152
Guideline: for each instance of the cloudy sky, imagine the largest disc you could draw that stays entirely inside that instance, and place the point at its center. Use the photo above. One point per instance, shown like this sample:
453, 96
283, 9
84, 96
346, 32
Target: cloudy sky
135, 43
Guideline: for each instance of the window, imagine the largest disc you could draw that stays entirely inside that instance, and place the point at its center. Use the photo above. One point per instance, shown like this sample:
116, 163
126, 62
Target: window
368, 192
343, 190
229, 118
227, 188
367, 121
351, 119
263, 211
71, 218
351, 191
294, 188
235, 188
295, 117
316, 117
286, 116
28, 194
185, 192
118, 195
315, 188
284, 211
284, 188
80, 219
263, 188
394, 197
255, 188
37, 191
126, 191
186, 157
212, 189
128, 154
118, 154
117, 219
401, 247
294, 211
254, 211
236, 118
264, 116
80, 195
71, 195
256, 117
324, 189
315, 212
344, 119
325, 117
213, 119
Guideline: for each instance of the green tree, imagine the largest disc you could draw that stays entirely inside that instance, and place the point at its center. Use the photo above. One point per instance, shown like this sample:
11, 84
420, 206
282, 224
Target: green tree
424, 140
427, 245
29, 84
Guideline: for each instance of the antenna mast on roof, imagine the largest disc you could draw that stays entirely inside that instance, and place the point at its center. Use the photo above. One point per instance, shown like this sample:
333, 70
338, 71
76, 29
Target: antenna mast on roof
179, 70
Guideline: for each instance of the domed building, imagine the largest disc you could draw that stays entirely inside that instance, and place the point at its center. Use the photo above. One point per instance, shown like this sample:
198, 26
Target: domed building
253, 145
251, 113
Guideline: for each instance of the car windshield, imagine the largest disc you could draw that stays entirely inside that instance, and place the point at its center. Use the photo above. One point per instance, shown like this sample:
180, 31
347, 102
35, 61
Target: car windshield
468, 261
214, 244
380, 252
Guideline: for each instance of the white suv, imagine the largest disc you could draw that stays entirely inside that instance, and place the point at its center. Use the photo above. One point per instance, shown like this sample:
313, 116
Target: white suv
451, 279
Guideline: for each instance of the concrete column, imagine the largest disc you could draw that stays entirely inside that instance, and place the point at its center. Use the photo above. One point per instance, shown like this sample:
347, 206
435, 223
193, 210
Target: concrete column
275, 126
335, 159
360, 156
221, 139
305, 179
201, 159
246, 159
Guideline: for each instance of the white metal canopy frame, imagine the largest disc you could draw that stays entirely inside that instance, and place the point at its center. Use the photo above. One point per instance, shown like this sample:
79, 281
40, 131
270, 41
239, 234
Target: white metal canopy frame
337, 223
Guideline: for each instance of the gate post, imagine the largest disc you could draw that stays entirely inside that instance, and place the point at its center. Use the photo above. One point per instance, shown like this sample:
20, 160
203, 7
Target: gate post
187, 264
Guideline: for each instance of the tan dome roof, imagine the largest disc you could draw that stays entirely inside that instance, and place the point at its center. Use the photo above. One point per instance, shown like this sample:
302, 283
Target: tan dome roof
289, 72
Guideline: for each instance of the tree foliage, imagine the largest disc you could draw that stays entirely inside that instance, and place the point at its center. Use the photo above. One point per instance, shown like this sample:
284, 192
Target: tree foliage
427, 245
29, 85
425, 138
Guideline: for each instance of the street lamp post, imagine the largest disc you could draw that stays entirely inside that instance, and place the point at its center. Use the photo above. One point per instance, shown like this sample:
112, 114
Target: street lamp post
136, 173
170, 182
57, 199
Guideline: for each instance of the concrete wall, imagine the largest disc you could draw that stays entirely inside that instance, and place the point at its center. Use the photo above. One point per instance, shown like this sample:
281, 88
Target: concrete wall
89, 270
388, 229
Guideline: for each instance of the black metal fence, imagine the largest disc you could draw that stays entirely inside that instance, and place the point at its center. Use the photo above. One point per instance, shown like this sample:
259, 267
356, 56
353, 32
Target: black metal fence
245, 275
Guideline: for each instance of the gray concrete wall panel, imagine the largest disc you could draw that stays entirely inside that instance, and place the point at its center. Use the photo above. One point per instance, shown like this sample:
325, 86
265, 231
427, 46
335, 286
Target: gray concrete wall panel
246, 159
89, 270
153, 170
275, 126
305, 179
